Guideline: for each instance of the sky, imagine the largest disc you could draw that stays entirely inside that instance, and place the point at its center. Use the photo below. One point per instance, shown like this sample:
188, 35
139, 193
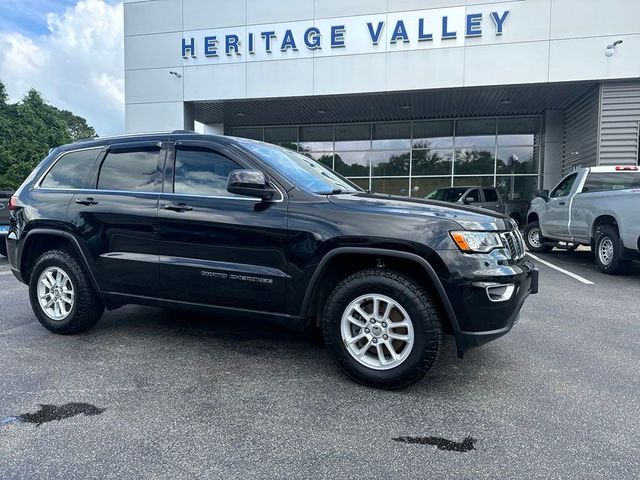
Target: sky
71, 51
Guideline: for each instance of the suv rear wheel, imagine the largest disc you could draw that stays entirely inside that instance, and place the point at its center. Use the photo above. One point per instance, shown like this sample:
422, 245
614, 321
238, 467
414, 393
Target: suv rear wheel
608, 251
61, 294
382, 329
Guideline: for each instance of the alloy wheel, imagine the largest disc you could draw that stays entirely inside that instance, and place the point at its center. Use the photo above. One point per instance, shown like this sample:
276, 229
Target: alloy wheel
55, 293
377, 331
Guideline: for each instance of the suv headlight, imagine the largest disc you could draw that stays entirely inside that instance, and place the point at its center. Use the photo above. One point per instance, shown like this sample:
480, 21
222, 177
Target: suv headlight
477, 242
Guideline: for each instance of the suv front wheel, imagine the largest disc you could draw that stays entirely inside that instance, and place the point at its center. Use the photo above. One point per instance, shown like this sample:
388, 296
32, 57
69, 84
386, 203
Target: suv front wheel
382, 329
61, 294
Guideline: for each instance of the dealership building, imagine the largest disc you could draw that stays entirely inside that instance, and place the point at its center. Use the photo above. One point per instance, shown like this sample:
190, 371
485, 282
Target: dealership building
401, 96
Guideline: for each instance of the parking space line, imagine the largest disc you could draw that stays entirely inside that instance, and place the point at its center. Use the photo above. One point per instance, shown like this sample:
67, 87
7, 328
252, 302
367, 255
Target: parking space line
561, 270
5, 273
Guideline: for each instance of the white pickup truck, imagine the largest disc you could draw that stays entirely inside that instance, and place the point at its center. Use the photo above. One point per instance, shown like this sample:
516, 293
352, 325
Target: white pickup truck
597, 206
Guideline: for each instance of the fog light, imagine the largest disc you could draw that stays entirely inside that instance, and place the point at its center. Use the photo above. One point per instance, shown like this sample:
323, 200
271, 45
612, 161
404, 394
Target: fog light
500, 293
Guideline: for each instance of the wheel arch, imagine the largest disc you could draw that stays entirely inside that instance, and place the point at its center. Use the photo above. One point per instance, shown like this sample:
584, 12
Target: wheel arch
330, 271
601, 220
532, 217
38, 241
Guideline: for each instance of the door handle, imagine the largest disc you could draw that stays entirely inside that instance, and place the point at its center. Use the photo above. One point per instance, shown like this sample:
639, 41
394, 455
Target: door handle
180, 207
86, 201
561, 202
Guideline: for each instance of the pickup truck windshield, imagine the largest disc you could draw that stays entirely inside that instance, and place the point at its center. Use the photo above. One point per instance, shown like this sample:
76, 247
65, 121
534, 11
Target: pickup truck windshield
302, 171
602, 182
447, 194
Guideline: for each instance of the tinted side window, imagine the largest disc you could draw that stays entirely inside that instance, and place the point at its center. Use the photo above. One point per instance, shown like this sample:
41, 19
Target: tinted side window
565, 186
490, 195
71, 170
132, 170
600, 182
200, 171
475, 194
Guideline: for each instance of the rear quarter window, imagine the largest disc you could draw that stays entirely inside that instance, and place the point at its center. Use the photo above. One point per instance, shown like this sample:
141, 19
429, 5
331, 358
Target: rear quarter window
603, 182
71, 170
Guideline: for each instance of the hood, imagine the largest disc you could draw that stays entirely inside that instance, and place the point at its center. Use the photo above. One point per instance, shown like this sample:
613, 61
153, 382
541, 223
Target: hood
469, 218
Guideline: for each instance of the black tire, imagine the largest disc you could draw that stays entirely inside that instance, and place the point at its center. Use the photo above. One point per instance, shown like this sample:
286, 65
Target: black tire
610, 262
3, 246
530, 235
423, 315
87, 308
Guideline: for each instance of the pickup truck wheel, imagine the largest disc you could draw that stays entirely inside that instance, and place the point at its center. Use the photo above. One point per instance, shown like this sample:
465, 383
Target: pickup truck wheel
3, 247
608, 251
382, 329
534, 239
61, 294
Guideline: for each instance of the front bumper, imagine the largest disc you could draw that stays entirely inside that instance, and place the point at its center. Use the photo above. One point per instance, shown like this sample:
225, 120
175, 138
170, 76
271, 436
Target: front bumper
479, 317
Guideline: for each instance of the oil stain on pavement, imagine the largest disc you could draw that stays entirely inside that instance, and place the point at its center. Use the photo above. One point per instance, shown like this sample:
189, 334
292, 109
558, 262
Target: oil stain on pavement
49, 413
465, 445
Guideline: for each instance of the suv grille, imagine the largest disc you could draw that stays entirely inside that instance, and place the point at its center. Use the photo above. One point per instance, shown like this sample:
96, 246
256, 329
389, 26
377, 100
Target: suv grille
514, 243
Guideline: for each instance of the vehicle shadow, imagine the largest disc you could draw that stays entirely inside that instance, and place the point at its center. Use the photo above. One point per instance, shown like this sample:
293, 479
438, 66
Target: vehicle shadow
260, 339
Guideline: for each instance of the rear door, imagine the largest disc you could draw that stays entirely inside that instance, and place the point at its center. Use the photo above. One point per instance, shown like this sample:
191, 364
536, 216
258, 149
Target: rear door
555, 215
116, 219
217, 248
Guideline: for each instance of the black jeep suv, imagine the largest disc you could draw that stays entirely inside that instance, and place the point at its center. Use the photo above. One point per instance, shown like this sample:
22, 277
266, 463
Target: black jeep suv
242, 227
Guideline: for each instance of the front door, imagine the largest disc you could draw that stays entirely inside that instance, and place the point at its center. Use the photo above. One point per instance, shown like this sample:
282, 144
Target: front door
555, 216
116, 218
217, 248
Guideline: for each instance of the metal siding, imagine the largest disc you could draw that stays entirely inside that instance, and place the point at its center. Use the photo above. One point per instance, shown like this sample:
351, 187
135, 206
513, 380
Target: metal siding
580, 144
619, 124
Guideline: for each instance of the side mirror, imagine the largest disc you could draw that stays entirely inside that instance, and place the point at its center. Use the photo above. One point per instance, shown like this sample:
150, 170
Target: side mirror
250, 183
544, 194
469, 200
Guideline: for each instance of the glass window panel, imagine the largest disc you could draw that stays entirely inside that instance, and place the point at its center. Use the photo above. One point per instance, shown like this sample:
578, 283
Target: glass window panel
422, 187
432, 162
352, 164
518, 160
519, 131
131, 170
390, 163
391, 186
284, 136
476, 133
517, 187
363, 183
353, 137
433, 134
202, 172
254, 133
473, 161
473, 181
316, 139
602, 182
71, 170
390, 136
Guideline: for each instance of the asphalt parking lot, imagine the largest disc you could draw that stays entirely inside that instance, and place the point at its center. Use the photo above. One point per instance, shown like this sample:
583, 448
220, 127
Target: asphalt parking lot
188, 396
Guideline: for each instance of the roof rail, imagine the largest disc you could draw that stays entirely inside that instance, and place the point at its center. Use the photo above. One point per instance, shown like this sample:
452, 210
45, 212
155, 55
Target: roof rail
175, 132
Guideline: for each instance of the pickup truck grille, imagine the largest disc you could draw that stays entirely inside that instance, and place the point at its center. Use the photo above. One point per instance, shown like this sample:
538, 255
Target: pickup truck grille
514, 243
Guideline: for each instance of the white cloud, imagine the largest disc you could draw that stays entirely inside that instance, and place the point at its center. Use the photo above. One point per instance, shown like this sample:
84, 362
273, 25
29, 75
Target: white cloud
78, 65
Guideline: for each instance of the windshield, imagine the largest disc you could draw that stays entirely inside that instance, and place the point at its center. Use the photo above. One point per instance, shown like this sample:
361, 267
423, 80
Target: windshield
447, 194
302, 171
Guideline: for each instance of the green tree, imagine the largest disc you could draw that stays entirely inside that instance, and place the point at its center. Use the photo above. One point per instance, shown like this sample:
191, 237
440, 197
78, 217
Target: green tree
28, 130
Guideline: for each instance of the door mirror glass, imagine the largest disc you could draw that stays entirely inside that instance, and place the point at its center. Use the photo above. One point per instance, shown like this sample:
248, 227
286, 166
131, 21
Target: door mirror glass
250, 183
